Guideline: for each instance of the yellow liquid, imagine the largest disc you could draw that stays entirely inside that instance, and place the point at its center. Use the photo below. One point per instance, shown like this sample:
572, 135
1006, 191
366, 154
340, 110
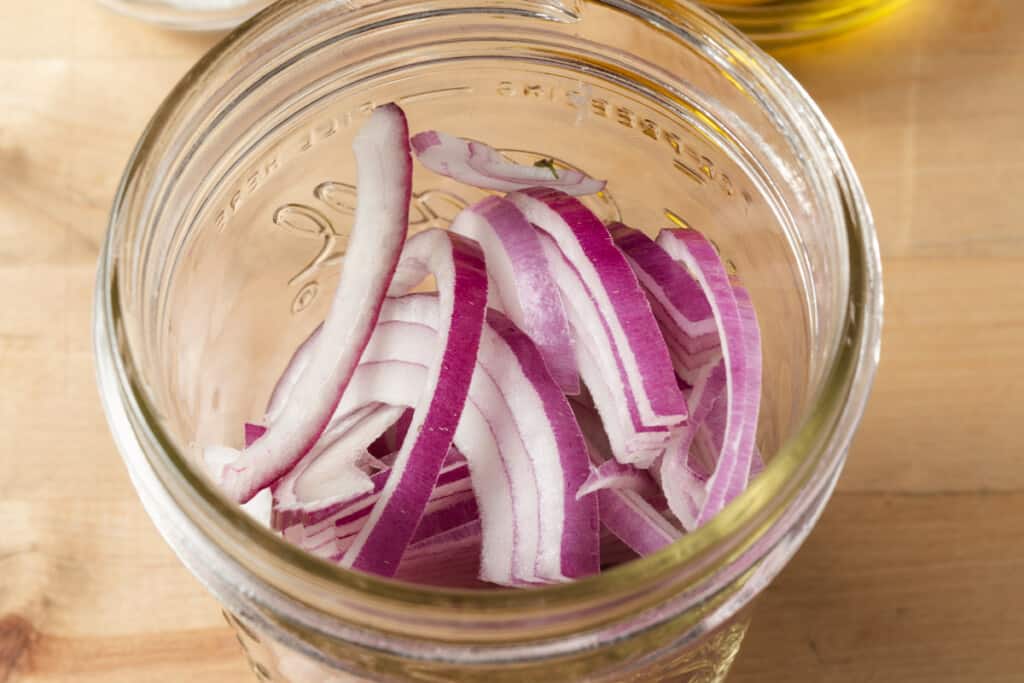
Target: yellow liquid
773, 22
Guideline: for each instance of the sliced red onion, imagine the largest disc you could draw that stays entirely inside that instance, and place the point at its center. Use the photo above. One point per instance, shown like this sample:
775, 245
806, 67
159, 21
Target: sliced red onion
441, 513
684, 489
678, 301
672, 286
385, 178
505, 448
522, 282
486, 434
701, 259
449, 559
444, 542
252, 432
740, 477
708, 443
688, 463
627, 514
691, 330
612, 474
332, 472
345, 520
290, 508
457, 514
635, 521
601, 367
480, 165
458, 267
552, 429
608, 278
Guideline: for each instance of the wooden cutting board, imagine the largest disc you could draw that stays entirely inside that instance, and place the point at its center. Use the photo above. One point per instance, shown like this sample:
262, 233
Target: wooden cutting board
916, 571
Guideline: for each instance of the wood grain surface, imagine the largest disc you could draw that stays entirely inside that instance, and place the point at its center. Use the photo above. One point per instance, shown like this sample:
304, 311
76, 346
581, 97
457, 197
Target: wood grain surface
916, 570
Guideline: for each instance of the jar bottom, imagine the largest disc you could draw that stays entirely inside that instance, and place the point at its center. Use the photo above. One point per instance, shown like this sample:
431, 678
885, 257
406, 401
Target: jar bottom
708, 660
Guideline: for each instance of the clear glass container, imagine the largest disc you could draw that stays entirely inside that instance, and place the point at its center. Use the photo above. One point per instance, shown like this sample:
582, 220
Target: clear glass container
189, 15
225, 241
778, 22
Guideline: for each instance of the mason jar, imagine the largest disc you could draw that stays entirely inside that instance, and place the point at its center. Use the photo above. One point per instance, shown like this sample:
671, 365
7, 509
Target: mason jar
228, 234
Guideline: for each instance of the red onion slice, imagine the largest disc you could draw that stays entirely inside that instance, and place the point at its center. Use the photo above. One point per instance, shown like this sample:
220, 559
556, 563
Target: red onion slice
601, 367
627, 514
507, 449
332, 472
708, 444
740, 477
501, 469
344, 520
385, 178
480, 165
701, 259
612, 474
458, 267
588, 247
551, 429
635, 522
251, 432
522, 282
448, 559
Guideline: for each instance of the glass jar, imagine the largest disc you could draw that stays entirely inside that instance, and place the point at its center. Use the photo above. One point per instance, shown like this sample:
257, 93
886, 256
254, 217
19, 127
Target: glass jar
189, 15
225, 242
778, 22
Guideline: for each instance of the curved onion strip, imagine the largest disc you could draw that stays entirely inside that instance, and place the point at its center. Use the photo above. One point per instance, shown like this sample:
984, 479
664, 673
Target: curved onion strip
448, 559
500, 468
522, 282
701, 259
345, 520
612, 474
601, 367
384, 168
588, 247
676, 292
627, 514
514, 410
708, 443
635, 522
480, 165
553, 429
752, 349
332, 472
458, 268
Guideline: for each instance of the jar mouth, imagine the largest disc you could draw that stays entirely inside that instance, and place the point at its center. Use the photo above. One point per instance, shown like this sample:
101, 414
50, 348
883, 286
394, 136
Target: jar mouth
815, 451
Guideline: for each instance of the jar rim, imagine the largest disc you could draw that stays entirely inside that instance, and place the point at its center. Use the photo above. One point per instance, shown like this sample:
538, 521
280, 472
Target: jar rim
816, 449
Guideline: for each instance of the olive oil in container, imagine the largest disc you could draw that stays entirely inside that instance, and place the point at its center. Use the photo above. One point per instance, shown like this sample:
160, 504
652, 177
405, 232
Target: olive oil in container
777, 22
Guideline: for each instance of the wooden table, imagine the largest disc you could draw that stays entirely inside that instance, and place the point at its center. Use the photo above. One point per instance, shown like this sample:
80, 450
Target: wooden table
916, 571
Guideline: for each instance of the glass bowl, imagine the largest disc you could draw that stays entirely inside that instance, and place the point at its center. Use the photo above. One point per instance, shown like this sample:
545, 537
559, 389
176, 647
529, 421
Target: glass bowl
225, 241
189, 15
779, 22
